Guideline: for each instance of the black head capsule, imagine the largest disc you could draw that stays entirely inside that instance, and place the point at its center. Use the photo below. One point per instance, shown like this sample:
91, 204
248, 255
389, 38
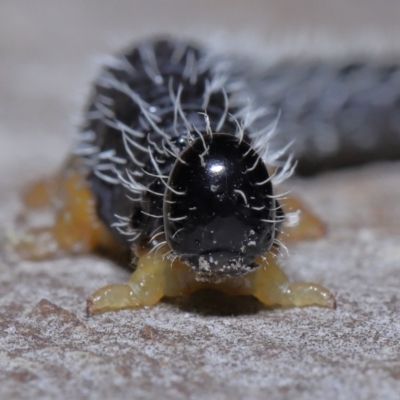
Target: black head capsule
218, 210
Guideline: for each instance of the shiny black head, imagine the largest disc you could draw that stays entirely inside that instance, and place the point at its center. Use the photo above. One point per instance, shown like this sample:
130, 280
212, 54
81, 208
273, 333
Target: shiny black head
218, 210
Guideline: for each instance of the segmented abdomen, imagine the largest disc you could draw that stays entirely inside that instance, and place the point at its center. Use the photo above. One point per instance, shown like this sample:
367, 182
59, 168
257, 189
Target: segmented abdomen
338, 113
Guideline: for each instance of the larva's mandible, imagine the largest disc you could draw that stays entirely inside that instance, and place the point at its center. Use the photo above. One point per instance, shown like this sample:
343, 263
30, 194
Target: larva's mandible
172, 158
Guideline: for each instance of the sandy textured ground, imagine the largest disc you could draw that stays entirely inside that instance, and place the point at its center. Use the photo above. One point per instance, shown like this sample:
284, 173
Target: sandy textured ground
208, 346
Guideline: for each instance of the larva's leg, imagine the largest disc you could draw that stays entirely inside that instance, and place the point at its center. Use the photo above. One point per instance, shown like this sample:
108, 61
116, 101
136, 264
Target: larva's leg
76, 228
41, 193
271, 286
309, 226
155, 277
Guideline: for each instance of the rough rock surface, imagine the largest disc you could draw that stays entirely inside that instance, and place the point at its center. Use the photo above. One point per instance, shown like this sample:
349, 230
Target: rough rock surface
208, 346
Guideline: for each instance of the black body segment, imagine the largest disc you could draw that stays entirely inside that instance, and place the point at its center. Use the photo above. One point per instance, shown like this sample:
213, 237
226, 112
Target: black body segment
218, 213
338, 113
